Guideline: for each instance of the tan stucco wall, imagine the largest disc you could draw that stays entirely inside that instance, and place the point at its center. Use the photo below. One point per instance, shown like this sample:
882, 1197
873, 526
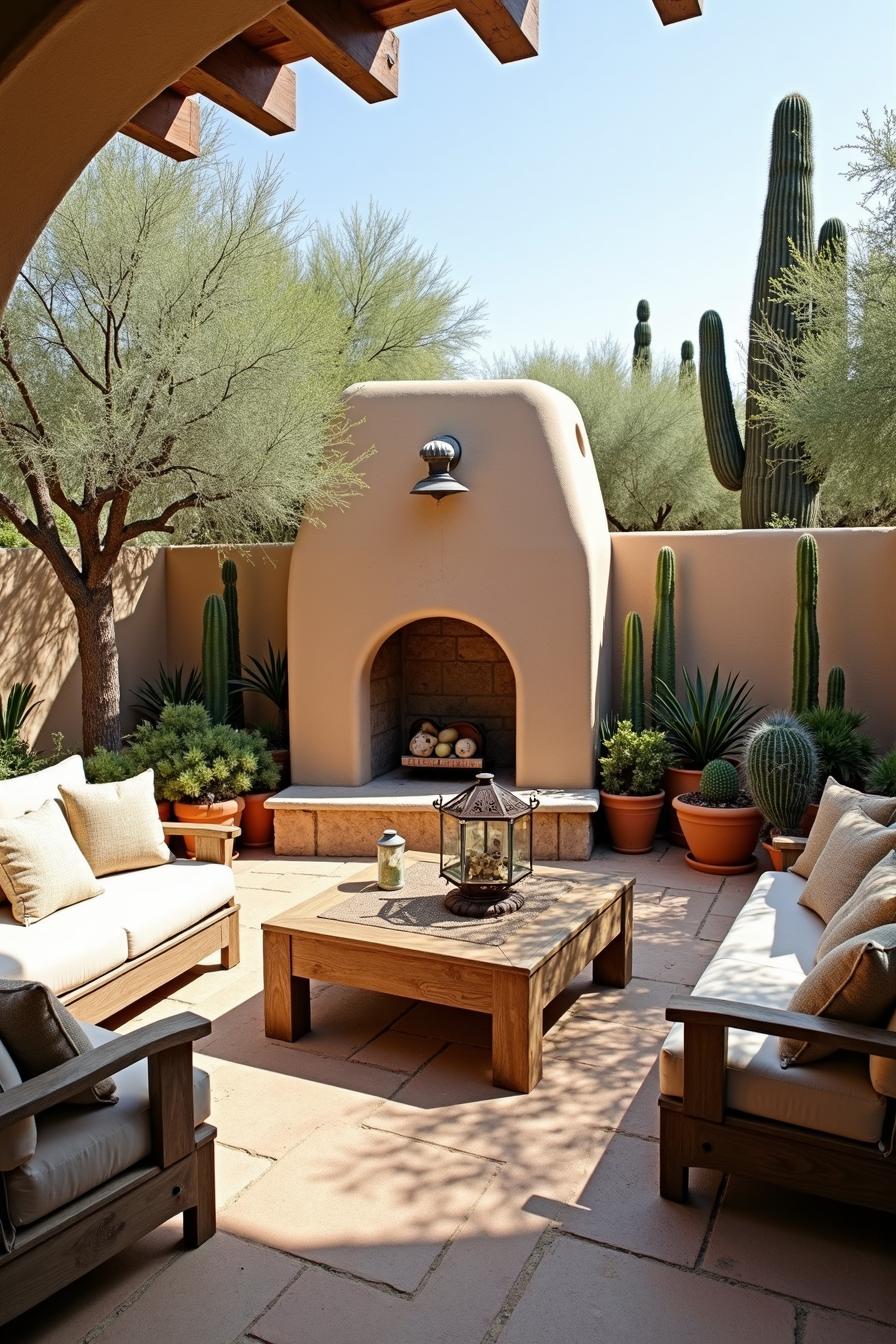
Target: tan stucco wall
735, 604
525, 555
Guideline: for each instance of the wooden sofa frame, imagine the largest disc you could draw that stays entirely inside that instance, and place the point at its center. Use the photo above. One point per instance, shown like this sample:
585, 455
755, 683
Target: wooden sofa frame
98, 999
699, 1130
177, 1177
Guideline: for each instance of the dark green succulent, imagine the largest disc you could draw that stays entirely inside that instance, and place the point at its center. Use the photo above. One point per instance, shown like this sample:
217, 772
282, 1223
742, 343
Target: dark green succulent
844, 753
707, 722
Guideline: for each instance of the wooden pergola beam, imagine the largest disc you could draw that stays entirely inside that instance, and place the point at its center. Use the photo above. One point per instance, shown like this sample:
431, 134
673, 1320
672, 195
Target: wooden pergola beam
248, 83
509, 28
342, 37
673, 11
169, 124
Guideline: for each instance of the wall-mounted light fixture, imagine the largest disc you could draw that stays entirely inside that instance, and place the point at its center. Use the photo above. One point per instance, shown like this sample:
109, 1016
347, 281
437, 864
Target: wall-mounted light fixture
441, 455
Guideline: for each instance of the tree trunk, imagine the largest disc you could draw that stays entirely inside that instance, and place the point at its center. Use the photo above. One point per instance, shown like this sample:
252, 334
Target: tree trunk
100, 689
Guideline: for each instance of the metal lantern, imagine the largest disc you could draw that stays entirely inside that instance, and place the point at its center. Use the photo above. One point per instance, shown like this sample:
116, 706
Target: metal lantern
485, 848
441, 457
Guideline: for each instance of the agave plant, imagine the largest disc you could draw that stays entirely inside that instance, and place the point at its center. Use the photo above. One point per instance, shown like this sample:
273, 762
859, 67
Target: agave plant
269, 677
708, 722
168, 688
20, 704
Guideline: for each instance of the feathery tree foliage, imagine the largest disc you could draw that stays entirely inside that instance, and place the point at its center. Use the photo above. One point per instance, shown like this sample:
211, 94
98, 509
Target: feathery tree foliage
171, 364
837, 387
646, 434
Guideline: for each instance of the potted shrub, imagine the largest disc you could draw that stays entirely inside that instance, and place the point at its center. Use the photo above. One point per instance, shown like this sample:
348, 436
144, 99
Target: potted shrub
257, 821
708, 723
201, 767
782, 768
632, 769
269, 677
720, 823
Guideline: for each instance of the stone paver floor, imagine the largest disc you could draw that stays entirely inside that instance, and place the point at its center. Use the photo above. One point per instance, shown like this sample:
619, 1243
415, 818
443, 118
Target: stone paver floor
373, 1185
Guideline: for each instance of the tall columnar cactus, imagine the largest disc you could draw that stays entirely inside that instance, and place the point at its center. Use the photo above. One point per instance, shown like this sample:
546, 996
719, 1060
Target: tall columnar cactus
836, 698
235, 713
641, 356
805, 631
662, 660
687, 369
771, 479
719, 783
633, 671
782, 765
214, 657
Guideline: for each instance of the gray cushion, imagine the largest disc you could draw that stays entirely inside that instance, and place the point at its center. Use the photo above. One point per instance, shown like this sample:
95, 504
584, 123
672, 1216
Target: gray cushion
18, 1141
40, 1033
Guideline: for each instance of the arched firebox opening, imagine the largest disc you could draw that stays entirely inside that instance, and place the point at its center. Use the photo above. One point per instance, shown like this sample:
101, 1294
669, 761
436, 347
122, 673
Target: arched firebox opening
444, 670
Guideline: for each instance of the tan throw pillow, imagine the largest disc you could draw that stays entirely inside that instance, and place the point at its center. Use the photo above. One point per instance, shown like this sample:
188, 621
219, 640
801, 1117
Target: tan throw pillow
872, 903
883, 1071
856, 982
39, 1033
41, 867
117, 826
855, 846
837, 799
18, 1142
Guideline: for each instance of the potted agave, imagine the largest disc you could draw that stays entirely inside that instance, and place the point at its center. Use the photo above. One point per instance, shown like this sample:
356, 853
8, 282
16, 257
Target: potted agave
782, 767
632, 769
719, 821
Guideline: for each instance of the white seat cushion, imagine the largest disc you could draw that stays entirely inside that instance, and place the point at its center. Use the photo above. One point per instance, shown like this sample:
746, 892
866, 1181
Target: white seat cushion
79, 1148
765, 957
66, 949
154, 904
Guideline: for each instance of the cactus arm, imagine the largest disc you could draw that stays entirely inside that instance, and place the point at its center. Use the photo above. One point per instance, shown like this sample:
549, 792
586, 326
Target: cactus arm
836, 688
687, 369
663, 658
235, 713
214, 657
726, 449
832, 238
633, 671
641, 355
805, 633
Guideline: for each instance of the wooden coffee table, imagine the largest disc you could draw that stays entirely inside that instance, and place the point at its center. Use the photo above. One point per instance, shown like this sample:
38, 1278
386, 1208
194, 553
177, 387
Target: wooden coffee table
590, 921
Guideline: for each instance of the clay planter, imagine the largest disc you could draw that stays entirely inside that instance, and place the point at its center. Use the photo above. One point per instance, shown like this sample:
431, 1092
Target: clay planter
775, 857
632, 820
719, 839
164, 810
257, 822
677, 780
224, 813
281, 756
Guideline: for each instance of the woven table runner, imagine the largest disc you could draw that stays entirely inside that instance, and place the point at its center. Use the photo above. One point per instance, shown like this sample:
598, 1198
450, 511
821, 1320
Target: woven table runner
420, 908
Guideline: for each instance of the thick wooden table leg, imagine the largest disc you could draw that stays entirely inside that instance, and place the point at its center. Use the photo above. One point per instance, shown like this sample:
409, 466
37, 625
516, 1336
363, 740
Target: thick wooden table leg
516, 1031
613, 966
287, 998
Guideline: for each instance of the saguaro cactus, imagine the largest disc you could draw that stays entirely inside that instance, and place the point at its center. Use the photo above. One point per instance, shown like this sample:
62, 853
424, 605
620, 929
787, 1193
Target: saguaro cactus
782, 764
633, 671
836, 689
662, 660
235, 714
805, 632
687, 369
771, 479
641, 356
214, 657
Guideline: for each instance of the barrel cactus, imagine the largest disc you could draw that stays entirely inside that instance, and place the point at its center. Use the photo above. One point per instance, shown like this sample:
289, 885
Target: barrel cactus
641, 356
719, 784
633, 671
687, 369
836, 697
214, 657
782, 765
662, 662
235, 714
805, 633
772, 479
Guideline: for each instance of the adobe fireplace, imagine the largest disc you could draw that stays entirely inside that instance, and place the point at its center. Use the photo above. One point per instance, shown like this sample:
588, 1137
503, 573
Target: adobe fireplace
487, 606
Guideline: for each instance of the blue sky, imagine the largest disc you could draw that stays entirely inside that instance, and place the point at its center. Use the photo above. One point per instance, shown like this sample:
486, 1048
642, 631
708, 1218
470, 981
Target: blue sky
625, 161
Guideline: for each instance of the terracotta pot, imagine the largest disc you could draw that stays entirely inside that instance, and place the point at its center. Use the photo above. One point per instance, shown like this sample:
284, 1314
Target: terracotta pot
719, 839
632, 820
677, 780
208, 814
807, 818
775, 857
257, 821
281, 756
164, 810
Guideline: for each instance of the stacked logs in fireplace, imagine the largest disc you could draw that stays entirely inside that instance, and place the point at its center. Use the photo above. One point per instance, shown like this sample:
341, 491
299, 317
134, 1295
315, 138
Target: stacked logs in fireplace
455, 746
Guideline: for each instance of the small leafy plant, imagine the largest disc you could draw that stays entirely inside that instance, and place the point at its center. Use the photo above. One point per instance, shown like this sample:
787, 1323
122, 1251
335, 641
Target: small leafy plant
633, 762
269, 676
708, 722
17, 758
168, 688
18, 707
109, 767
197, 761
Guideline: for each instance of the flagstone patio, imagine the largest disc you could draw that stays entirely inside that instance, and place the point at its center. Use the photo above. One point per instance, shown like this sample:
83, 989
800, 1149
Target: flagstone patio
373, 1185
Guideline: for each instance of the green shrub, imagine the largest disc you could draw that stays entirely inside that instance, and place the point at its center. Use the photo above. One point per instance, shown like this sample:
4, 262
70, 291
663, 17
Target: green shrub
168, 688
844, 752
196, 761
17, 758
882, 775
108, 767
634, 762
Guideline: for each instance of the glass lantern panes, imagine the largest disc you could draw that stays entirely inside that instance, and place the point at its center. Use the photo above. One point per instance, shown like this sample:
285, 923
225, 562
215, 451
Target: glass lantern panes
486, 839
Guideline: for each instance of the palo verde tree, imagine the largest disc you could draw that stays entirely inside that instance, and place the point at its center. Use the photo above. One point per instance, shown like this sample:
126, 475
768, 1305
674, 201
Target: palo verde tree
163, 357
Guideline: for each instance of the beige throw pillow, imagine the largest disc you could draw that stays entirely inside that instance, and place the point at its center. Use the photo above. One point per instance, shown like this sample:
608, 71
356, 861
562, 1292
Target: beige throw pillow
856, 982
855, 846
883, 1071
835, 800
39, 1033
41, 867
117, 826
872, 903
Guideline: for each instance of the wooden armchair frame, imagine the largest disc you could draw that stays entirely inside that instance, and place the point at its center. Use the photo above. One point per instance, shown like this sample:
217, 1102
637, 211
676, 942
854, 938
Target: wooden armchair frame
701, 1131
177, 1177
220, 932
